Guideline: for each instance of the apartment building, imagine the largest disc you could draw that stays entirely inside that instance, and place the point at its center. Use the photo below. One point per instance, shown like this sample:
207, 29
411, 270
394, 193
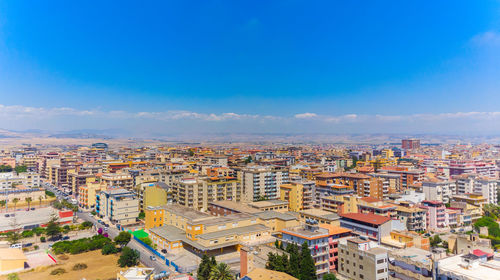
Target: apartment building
300, 195
259, 181
198, 192
372, 226
117, 205
154, 194
335, 233
411, 263
87, 194
317, 241
439, 190
12, 179
410, 144
319, 216
370, 205
120, 180
362, 259
413, 217
436, 215
340, 203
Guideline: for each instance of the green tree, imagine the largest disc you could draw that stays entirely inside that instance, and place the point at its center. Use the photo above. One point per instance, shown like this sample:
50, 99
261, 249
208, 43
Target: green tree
123, 238
294, 267
435, 240
53, 229
307, 267
129, 257
142, 215
3, 203
204, 268
40, 198
146, 240
15, 201
20, 169
5, 168
248, 159
28, 200
13, 237
329, 276
220, 272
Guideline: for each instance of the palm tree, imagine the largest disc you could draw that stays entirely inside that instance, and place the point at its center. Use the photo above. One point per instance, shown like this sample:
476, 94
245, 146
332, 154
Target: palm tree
40, 198
3, 202
28, 199
15, 200
220, 272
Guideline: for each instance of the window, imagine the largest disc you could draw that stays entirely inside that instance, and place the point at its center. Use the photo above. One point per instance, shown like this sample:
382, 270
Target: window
361, 266
361, 276
381, 261
360, 257
380, 271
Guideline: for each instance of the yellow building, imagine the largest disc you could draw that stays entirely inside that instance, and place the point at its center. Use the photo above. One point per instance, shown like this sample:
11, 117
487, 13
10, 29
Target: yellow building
340, 203
321, 216
203, 233
11, 260
87, 192
293, 194
153, 194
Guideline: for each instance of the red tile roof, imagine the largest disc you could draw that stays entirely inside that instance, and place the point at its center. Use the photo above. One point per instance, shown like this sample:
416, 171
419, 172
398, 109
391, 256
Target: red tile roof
367, 218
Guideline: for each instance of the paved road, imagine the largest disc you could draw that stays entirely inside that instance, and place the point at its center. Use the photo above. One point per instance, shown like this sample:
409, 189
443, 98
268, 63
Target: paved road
159, 265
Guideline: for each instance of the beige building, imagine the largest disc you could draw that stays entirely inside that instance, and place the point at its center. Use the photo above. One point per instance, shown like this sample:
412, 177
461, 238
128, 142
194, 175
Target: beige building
197, 192
120, 180
362, 259
11, 260
136, 273
175, 226
260, 181
87, 194
154, 194
117, 205
26, 179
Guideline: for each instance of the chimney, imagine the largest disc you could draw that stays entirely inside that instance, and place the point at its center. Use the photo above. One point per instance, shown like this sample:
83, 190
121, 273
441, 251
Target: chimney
244, 261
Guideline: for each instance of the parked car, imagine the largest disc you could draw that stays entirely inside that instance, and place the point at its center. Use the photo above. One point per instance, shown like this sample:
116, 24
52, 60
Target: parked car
153, 258
32, 208
12, 215
7, 215
17, 246
27, 245
65, 238
164, 251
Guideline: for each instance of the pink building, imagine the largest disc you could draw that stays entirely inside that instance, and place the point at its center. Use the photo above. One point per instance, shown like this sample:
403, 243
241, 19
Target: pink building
334, 234
8, 161
436, 214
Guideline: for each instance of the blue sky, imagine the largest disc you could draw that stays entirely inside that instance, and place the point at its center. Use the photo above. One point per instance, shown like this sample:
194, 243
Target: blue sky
256, 66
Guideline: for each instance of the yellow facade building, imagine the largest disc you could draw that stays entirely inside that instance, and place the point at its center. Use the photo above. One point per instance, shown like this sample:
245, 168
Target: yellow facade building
11, 260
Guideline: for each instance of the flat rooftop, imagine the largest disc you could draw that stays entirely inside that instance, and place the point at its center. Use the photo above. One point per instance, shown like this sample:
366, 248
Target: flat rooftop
235, 206
486, 271
268, 203
320, 214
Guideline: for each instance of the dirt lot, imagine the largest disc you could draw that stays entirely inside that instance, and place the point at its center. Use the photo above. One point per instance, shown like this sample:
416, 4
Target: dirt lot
98, 267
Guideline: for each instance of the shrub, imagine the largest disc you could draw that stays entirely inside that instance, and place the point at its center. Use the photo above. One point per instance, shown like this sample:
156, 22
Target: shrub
85, 225
58, 271
27, 233
12, 276
109, 249
146, 240
63, 257
38, 231
42, 239
80, 245
36, 247
79, 266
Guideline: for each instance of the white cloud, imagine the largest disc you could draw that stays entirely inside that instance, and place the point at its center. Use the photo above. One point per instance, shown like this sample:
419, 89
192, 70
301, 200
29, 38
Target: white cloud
489, 38
306, 116
24, 117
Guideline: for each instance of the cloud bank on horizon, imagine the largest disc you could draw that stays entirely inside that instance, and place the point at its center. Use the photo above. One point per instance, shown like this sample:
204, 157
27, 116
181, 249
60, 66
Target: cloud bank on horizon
176, 121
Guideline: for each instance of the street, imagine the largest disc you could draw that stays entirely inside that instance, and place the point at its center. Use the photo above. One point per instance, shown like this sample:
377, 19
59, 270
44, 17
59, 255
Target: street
159, 265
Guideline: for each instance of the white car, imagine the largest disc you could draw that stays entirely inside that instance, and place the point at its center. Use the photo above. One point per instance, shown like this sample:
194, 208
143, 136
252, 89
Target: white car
17, 246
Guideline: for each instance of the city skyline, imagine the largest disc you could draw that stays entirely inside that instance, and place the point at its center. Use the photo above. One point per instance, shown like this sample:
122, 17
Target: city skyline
219, 66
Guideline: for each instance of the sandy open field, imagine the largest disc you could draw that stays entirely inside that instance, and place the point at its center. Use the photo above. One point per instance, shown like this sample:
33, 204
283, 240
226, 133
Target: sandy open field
98, 267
